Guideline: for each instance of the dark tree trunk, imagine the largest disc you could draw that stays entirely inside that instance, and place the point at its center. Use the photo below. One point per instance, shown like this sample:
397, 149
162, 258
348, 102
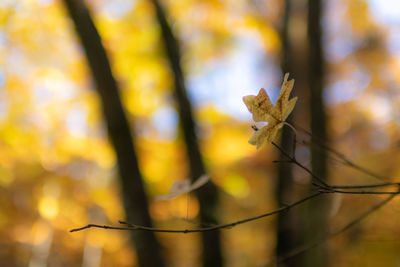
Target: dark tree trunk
317, 209
134, 197
288, 226
207, 195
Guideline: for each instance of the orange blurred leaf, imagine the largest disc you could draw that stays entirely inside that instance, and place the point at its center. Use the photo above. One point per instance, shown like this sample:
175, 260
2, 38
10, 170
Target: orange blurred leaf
181, 187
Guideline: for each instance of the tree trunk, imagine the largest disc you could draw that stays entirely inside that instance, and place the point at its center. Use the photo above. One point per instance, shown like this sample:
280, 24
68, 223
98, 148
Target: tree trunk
207, 195
317, 209
289, 227
134, 197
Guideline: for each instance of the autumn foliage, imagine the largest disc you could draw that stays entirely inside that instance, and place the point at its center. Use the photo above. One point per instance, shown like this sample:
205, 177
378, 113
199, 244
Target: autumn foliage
58, 169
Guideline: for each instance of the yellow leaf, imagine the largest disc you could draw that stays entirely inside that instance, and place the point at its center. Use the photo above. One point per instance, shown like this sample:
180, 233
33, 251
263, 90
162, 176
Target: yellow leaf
283, 104
263, 110
266, 133
260, 106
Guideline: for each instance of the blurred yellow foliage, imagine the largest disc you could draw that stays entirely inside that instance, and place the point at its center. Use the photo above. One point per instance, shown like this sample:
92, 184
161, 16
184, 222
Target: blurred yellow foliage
236, 185
58, 169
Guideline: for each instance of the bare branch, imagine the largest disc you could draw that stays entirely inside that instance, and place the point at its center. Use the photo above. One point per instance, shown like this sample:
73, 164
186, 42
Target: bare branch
133, 227
365, 185
326, 188
99, 226
330, 190
329, 236
322, 187
294, 161
341, 156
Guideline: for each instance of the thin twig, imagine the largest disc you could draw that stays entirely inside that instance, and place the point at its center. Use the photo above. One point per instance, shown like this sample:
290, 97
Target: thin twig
326, 188
204, 229
294, 138
294, 161
281, 161
365, 186
290, 126
330, 190
345, 189
100, 226
329, 236
345, 160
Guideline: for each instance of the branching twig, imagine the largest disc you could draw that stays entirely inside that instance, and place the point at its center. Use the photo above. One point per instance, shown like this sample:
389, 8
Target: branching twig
133, 227
329, 236
100, 226
330, 190
326, 188
365, 186
344, 159
293, 160
294, 143
322, 187
319, 183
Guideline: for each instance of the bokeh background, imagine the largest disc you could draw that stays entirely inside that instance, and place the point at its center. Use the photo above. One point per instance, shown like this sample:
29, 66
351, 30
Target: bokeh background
58, 169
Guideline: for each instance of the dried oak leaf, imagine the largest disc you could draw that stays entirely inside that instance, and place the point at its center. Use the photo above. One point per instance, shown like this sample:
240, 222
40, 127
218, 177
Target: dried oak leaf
263, 110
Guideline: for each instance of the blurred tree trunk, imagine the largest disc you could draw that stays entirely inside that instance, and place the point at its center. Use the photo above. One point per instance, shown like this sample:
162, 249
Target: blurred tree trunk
134, 197
207, 195
290, 225
317, 209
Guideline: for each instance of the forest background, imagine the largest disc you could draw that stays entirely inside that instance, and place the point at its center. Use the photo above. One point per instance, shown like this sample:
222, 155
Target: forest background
58, 167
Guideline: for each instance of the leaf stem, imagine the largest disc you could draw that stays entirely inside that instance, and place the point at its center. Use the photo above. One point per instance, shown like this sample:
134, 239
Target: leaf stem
291, 127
